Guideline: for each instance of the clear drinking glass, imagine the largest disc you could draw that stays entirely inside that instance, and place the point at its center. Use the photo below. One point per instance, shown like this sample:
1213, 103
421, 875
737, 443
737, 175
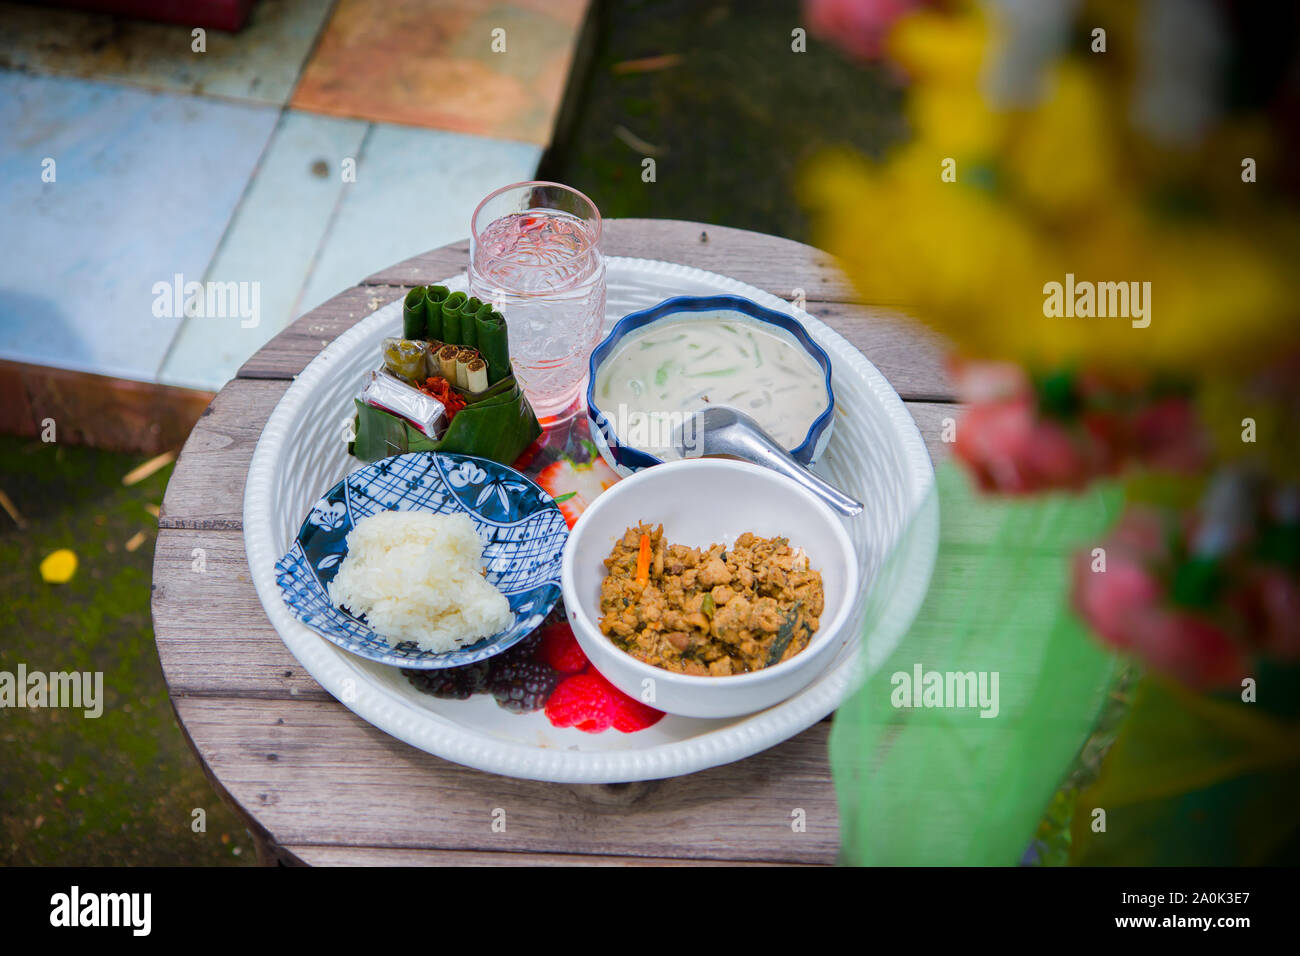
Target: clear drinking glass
535, 253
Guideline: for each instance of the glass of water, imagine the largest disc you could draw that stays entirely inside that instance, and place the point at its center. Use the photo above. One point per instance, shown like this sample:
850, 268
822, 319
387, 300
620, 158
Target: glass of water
535, 254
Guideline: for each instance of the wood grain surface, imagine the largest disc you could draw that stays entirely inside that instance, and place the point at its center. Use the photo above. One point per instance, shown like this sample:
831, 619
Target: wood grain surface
321, 786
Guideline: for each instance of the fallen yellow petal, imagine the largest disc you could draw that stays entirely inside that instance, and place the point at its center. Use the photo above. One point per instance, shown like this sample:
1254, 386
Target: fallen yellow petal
59, 566
135, 541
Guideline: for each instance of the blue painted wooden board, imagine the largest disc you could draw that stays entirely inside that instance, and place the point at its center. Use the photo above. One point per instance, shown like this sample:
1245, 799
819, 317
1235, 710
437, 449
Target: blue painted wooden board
145, 186
273, 240
415, 191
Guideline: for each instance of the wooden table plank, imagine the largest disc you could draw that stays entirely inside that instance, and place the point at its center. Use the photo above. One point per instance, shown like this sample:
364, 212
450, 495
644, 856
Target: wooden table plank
779, 266
306, 768
907, 353
321, 855
291, 350
931, 418
206, 489
432, 266
213, 635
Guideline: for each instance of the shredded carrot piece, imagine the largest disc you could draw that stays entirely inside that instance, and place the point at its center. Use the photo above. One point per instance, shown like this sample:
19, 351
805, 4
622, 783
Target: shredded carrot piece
643, 560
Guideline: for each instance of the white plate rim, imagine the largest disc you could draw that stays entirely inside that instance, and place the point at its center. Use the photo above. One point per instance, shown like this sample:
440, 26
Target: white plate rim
428, 731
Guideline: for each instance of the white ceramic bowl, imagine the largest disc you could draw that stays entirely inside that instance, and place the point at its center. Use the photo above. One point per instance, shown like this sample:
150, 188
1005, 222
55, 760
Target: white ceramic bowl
702, 501
627, 459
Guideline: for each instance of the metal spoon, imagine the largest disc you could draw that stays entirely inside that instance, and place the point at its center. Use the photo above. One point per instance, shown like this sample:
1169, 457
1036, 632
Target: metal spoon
719, 430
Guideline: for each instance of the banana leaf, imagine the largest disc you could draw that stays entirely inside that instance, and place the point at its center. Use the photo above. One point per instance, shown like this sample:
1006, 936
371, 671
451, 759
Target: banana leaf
453, 308
499, 426
468, 328
434, 296
414, 322
493, 342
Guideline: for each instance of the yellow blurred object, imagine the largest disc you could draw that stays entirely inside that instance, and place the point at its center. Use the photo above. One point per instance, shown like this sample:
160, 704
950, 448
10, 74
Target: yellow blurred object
970, 223
1065, 161
938, 47
59, 566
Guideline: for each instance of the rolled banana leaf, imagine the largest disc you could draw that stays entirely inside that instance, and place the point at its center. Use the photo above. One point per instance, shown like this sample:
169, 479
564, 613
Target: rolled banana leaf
434, 296
499, 426
468, 329
413, 314
493, 343
453, 308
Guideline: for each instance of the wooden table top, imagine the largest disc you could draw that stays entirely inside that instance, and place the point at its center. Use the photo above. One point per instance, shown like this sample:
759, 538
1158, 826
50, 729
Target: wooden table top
318, 784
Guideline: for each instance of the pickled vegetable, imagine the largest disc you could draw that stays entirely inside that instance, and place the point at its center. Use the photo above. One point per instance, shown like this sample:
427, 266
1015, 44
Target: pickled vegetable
406, 358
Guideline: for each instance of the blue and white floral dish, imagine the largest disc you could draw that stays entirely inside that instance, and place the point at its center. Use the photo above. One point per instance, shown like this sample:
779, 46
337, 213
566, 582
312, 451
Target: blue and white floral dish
521, 526
626, 459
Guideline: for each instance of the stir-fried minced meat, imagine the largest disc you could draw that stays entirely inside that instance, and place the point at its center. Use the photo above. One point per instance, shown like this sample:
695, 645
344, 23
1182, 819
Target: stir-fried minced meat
717, 611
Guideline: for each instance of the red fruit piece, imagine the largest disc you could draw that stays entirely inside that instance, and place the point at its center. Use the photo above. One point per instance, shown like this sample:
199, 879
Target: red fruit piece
591, 703
634, 715
581, 701
628, 714
529, 454
575, 486
560, 649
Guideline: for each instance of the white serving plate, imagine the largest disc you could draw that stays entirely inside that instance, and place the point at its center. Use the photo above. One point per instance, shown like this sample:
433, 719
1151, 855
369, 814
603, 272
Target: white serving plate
876, 455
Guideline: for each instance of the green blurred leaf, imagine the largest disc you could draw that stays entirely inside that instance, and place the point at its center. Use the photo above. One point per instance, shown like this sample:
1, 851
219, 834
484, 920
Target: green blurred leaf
921, 786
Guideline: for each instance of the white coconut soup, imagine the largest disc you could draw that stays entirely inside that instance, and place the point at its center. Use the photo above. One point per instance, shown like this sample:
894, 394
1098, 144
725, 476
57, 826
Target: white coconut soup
657, 376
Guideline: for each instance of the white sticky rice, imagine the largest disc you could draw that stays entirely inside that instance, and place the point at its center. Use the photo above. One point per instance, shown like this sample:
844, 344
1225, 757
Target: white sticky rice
419, 577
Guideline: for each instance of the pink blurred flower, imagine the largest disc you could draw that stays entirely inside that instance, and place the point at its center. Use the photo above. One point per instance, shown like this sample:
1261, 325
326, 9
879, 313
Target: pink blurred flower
856, 26
1168, 437
1009, 449
1270, 601
1130, 607
1111, 600
1019, 437
1189, 647
1126, 605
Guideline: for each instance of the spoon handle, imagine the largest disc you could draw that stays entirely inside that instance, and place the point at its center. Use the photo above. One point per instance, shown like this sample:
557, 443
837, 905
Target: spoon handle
762, 451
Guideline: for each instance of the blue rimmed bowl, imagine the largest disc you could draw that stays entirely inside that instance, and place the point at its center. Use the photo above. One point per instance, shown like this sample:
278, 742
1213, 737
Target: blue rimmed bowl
627, 459
521, 526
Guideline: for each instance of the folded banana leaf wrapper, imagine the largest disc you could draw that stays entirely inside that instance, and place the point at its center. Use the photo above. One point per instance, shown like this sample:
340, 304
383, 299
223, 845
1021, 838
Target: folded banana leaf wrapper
497, 424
